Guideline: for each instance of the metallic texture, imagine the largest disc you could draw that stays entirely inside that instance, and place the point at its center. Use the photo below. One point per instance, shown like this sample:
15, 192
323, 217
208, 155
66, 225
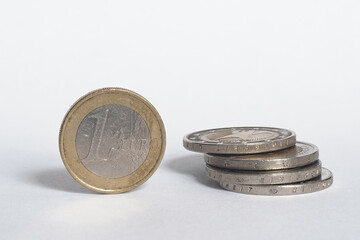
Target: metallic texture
322, 182
300, 155
112, 140
240, 140
264, 177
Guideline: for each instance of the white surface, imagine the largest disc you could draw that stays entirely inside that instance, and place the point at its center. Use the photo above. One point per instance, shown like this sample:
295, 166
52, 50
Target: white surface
203, 64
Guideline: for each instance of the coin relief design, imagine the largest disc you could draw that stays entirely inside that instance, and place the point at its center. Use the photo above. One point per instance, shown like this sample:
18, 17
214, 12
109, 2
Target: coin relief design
113, 141
239, 136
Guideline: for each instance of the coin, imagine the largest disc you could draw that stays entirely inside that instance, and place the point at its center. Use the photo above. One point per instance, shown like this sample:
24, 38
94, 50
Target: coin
265, 177
322, 182
300, 155
112, 140
240, 140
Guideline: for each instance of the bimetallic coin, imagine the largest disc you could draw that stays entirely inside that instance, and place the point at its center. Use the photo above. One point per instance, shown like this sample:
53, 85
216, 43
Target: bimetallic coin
112, 140
300, 155
240, 140
322, 182
264, 177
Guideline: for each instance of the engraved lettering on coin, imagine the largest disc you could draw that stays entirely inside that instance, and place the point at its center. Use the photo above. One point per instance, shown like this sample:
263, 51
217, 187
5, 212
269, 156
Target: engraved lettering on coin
265, 177
113, 141
319, 183
240, 136
300, 155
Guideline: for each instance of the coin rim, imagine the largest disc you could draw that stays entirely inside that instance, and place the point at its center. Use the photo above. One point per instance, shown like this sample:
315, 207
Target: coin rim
246, 163
239, 148
284, 189
94, 100
272, 177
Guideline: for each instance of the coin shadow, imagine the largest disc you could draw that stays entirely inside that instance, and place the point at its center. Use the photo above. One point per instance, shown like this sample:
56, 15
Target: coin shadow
194, 166
61, 180
57, 179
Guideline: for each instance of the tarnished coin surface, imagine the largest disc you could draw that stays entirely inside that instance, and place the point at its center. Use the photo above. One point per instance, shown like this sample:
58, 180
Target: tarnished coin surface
112, 140
300, 155
264, 177
240, 140
322, 182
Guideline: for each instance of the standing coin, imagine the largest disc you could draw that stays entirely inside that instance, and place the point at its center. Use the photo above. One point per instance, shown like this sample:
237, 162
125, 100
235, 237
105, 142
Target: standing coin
317, 184
264, 177
112, 140
300, 155
240, 140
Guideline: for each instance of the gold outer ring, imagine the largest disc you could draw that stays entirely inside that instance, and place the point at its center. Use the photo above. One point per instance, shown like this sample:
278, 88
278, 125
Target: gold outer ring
81, 109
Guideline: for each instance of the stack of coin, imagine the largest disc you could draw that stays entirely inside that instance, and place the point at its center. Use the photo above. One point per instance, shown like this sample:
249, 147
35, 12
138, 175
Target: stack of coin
260, 160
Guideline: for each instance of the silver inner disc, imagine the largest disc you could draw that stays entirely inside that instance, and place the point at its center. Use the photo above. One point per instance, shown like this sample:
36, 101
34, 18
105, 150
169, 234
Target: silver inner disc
113, 141
240, 136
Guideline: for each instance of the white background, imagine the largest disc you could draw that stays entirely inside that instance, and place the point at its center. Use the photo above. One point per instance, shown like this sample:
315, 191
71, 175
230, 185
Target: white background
202, 64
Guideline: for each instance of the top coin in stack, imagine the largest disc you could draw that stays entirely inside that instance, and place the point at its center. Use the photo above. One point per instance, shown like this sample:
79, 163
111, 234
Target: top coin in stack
240, 140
